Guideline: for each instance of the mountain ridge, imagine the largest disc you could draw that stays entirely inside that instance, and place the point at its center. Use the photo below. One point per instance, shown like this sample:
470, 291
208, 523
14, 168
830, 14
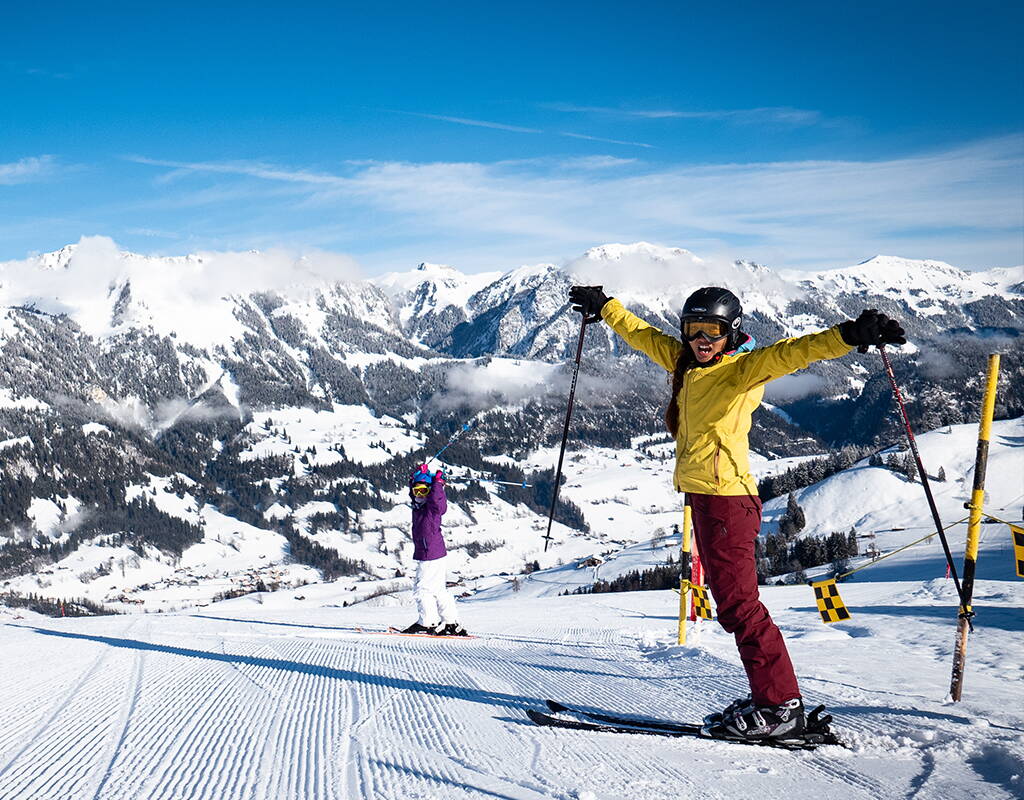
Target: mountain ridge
290, 396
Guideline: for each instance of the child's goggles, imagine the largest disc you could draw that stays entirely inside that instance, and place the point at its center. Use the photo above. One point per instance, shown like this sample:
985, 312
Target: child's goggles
710, 329
421, 490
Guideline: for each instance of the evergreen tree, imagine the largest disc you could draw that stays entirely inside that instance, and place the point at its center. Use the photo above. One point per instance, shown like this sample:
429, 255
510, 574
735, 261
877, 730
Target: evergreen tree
796, 513
910, 467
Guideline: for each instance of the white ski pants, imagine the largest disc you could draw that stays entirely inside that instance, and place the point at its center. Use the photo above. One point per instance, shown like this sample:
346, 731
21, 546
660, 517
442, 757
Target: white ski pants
434, 601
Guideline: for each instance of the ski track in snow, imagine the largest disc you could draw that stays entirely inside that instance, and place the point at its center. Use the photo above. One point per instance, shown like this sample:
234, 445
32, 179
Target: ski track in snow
235, 703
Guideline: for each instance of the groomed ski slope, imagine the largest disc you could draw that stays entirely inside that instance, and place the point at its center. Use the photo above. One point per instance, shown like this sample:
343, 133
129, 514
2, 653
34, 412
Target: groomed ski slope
284, 700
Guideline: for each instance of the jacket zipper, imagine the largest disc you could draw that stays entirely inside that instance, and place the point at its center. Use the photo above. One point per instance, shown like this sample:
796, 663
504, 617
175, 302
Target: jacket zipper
686, 406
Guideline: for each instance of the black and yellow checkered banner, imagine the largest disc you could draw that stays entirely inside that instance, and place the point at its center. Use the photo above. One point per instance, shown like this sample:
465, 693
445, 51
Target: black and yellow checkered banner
701, 601
830, 604
1018, 548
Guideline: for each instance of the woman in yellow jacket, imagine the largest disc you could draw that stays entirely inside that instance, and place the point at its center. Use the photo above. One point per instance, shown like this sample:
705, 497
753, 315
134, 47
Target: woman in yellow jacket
716, 387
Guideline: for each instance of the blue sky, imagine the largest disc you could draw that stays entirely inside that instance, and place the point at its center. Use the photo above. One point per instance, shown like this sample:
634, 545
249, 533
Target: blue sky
483, 135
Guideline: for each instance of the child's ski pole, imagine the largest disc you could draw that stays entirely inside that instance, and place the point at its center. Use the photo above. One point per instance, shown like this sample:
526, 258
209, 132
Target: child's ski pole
465, 427
520, 484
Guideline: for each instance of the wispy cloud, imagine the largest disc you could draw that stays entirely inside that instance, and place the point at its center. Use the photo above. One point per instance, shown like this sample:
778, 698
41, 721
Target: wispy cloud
598, 162
748, 116
153, 233
251, 168
27, 170
606, 141
477, 123
960, 205
45, 73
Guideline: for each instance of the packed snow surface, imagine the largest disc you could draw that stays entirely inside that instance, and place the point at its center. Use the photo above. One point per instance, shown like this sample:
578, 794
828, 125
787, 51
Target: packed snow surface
287, 699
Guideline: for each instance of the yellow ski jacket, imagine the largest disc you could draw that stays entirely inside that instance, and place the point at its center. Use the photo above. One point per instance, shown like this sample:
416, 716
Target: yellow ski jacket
717, 401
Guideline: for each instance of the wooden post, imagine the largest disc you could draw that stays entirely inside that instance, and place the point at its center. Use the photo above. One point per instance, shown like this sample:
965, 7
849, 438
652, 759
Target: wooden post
974, 526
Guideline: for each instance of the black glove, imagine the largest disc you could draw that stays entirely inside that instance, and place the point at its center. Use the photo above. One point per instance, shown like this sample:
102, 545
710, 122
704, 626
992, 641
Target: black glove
588, 300
871, 328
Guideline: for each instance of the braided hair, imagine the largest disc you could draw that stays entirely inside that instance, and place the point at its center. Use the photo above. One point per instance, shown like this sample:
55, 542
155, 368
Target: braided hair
683, 363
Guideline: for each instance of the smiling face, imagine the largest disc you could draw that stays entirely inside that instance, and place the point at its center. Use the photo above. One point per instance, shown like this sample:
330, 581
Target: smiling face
705, 351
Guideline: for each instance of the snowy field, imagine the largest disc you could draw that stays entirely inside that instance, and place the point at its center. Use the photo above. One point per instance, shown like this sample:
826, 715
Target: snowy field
284, 699
275, 696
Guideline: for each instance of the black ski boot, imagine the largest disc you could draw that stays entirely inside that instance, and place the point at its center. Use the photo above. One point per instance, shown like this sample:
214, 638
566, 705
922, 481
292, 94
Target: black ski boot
786, 721
453, 629
417, 628
729, 710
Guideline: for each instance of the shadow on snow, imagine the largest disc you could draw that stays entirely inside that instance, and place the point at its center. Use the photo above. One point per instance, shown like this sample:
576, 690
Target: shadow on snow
1007, 618
482, 696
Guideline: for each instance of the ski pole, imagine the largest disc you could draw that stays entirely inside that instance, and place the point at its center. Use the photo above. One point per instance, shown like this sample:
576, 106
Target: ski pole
965, 611
465, 427
469, 477
568, 416
522, 485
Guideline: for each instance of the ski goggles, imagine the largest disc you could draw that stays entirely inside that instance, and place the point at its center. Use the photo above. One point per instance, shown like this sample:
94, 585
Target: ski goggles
421, 490
710, 329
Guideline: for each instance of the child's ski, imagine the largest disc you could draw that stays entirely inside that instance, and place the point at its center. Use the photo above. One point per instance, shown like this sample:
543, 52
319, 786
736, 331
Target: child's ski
397, 632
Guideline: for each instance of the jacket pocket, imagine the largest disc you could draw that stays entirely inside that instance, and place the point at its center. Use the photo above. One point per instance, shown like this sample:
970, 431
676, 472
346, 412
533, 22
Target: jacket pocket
718, 456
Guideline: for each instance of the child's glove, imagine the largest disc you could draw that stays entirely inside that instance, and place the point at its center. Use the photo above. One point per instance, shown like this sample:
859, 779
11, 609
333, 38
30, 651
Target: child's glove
439, 476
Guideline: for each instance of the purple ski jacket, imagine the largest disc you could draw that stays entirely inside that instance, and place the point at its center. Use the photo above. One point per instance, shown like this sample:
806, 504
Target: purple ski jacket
428, 544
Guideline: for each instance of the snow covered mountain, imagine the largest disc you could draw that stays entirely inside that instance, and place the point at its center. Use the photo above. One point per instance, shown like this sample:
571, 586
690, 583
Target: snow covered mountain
433, 299
168, 420
918, 284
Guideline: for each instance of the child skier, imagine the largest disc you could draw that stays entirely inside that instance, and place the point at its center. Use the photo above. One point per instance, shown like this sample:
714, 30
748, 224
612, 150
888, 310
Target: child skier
435, 603
715, 389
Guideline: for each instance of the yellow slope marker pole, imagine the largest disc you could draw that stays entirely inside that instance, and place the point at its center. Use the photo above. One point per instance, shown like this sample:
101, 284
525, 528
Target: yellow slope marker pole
684, 575
974, 524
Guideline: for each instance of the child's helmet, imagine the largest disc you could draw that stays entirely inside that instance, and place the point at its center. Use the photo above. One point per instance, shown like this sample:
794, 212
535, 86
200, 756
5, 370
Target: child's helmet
422, 481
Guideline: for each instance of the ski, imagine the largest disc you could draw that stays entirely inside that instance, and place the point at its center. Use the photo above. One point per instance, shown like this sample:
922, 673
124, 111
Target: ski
616, 719
818, 734
817, 723
809, 742
397, 632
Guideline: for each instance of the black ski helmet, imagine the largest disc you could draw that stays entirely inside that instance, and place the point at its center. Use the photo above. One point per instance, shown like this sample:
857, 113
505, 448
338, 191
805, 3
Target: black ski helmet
714, 302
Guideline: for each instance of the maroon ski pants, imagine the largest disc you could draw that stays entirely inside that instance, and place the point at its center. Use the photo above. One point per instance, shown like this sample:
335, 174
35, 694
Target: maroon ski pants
726, 528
